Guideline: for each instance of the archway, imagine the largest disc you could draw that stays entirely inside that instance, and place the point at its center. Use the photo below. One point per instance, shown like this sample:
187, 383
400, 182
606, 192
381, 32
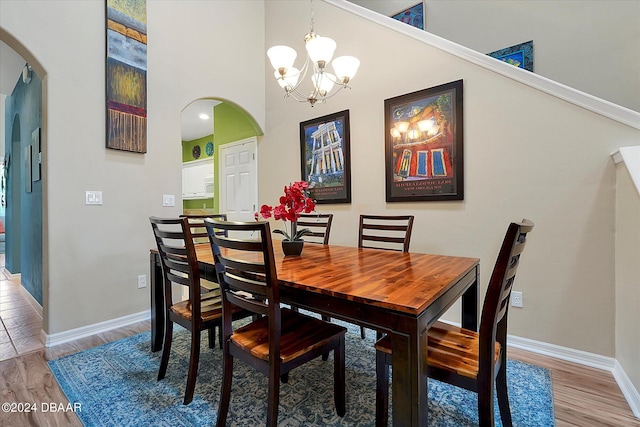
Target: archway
228, 122
26, 220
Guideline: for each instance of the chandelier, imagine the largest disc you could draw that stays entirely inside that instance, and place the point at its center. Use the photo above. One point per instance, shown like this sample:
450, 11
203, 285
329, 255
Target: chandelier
319, 53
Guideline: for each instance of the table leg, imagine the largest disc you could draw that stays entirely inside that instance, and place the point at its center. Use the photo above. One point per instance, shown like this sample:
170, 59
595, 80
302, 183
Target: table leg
157, 303
470, 302
409, 386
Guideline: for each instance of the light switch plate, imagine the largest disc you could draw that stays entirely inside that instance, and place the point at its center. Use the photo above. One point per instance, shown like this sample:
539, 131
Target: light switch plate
168, 200
93, 197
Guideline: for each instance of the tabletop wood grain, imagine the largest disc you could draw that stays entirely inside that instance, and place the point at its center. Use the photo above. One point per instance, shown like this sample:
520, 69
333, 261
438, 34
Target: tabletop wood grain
401, 281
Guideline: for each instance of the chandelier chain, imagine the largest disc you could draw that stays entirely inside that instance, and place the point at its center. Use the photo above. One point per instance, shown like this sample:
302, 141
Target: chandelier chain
312, 21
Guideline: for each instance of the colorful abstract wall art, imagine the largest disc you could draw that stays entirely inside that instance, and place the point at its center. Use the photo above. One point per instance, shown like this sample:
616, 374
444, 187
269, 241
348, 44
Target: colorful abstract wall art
520, 55
126, 75
413, 16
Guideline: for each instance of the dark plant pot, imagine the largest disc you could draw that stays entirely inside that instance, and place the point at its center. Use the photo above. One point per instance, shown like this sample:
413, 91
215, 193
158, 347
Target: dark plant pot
293, 248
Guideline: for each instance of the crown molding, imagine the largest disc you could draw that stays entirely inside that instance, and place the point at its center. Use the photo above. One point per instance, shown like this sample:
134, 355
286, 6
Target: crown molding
589, 102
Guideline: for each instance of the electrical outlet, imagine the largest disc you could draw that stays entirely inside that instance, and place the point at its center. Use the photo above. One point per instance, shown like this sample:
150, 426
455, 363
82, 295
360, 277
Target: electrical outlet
142, 281
516, 299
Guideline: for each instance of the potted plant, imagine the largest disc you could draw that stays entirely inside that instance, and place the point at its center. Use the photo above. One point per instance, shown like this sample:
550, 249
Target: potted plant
295, 201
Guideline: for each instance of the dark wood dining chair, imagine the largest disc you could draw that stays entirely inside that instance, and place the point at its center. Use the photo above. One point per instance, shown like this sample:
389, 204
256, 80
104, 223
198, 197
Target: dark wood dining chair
385, 232
319, 226
468, 359
198, 230
279, 339
199, 235
202, 310
391, 232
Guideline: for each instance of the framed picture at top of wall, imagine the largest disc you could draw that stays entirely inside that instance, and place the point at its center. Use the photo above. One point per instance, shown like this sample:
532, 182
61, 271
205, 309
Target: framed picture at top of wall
325, 158
413, 16
520, 55
423, 145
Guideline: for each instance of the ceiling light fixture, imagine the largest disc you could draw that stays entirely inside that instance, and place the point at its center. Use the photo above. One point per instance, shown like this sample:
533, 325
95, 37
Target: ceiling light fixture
319, 53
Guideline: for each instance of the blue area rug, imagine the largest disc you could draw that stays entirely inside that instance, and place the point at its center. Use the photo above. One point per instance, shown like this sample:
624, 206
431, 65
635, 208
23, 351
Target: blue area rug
115, 384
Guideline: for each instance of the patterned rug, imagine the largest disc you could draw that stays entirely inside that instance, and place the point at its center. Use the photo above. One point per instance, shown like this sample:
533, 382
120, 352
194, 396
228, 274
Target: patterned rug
115, 384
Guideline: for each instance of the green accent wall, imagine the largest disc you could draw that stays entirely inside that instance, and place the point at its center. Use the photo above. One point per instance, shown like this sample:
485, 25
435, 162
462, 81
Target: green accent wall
232, 123
196, 204
187, 148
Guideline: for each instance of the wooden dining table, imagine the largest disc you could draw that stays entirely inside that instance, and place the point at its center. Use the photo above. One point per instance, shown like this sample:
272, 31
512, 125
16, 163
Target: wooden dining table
398, 293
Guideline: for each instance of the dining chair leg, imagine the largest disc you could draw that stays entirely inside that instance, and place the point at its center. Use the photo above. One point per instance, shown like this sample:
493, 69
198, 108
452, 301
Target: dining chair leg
382, 388
362, 332
225, 390
339, 378
485, 403
273, 396
211, 333
503, 396
166, 349
194, 359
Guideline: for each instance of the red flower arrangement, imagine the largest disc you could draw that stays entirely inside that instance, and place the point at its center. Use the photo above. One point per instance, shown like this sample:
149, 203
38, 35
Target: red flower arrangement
295, 201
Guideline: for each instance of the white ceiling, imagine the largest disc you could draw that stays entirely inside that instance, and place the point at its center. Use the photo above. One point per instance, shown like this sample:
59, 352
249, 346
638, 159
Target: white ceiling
193, 127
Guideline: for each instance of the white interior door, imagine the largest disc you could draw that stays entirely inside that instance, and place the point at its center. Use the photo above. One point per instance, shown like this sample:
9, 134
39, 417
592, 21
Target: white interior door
238, 177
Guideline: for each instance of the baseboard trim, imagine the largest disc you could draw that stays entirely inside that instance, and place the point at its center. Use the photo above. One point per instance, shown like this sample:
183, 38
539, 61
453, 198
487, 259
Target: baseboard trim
569, 354
31, 300
628, 390
581, 358
51, 340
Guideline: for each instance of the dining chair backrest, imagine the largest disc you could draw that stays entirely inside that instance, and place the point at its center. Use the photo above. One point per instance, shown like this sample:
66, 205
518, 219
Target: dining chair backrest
178, 259
493, 321
319, 226
246, 269
278, 339
198, 230
385, 232
476, 361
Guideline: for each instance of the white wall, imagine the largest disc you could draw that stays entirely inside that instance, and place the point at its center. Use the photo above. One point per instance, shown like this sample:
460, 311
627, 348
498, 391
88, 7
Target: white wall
628, 268
93, 254
527, 154
588, 45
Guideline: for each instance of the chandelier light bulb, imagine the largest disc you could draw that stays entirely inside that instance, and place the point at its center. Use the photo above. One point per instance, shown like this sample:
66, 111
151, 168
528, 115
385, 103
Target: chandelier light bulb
282, 57
323, 82
320, 50
289, 80
345, 67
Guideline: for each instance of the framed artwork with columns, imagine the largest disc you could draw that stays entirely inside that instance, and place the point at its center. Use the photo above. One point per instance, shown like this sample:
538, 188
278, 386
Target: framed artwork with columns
325, 158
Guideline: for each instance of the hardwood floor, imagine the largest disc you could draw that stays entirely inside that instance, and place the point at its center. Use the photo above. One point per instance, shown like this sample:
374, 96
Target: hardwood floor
582, 396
